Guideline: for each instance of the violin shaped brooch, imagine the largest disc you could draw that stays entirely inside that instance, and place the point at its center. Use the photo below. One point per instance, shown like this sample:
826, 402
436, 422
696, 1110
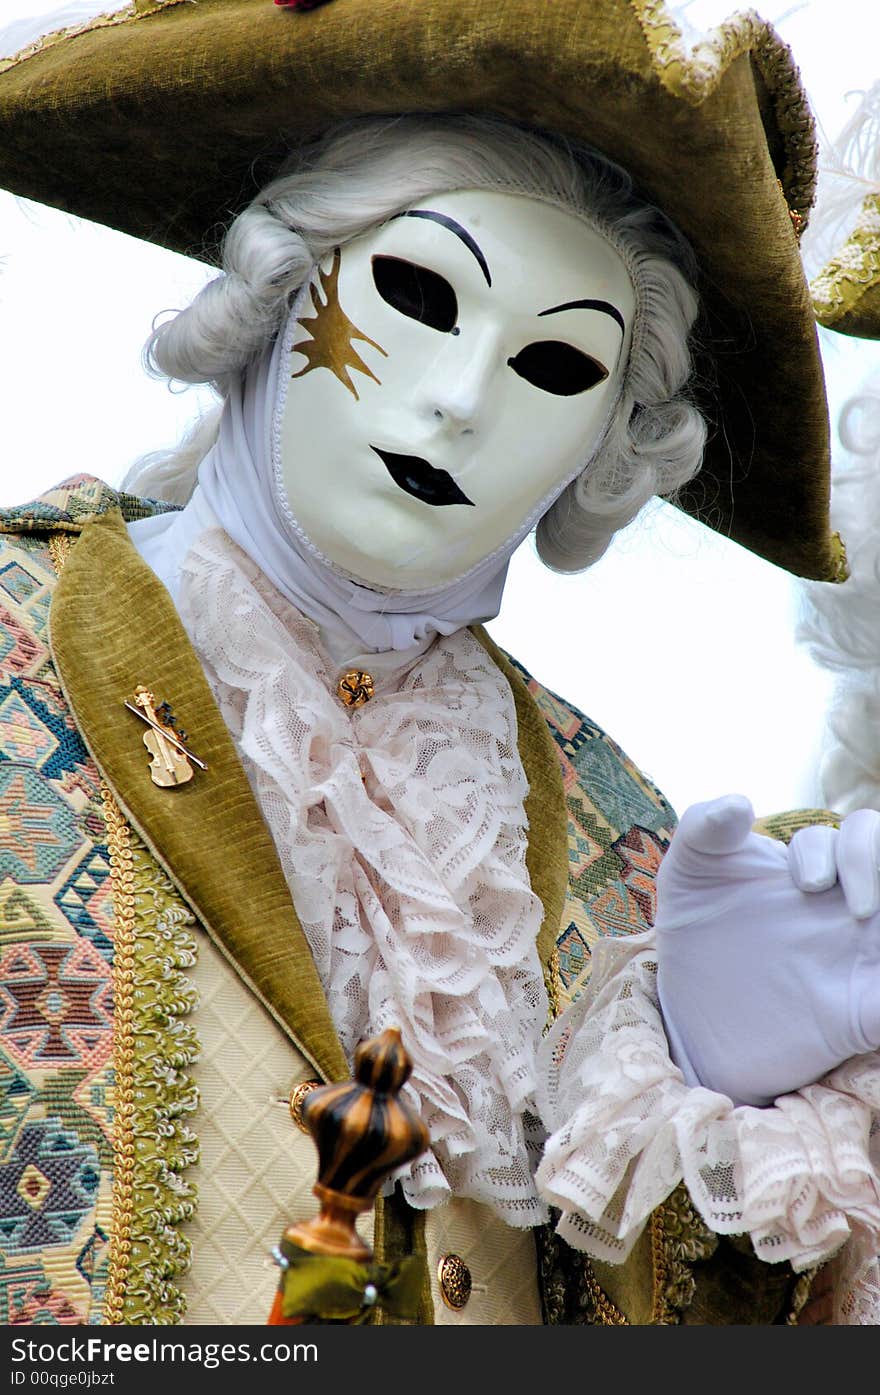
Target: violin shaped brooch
171, 763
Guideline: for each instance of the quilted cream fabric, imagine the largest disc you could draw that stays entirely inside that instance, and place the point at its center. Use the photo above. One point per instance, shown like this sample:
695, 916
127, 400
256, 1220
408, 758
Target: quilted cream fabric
502, 1263
257, 1168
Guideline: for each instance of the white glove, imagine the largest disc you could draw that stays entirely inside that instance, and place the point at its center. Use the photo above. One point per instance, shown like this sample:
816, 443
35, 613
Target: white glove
819, 856
768, 956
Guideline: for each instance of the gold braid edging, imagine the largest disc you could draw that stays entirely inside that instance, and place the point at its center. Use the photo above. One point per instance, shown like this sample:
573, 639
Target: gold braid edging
165, 1094
551, 983
693, 74
138, 9
605, 1313
855, 269
122, 877
660, 1314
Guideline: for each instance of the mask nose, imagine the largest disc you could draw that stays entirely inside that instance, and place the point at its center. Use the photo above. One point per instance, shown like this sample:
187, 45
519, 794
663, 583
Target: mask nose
461, 384
454, 418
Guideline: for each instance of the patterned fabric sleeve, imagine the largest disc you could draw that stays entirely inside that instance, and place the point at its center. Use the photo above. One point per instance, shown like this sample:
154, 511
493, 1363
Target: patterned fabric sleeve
619, 826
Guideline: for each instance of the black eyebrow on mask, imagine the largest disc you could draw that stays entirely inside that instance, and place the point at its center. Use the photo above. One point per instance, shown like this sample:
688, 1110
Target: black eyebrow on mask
602, 305
460, 232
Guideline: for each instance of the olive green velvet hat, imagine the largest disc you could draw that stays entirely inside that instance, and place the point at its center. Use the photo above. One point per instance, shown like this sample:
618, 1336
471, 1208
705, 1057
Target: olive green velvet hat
163, 120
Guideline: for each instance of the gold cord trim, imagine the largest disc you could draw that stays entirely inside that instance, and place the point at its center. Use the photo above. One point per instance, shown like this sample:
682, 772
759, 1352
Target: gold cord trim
122, 877
552, 975
799, 1295
660, 1310
607, 1313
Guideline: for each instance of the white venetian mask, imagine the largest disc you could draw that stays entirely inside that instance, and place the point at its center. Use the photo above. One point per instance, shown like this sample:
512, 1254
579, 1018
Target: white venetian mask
472, 349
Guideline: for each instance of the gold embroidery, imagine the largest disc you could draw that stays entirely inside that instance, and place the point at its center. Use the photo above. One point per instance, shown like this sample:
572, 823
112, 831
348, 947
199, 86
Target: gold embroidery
152, 1144
122, 877
331, 345
59, 549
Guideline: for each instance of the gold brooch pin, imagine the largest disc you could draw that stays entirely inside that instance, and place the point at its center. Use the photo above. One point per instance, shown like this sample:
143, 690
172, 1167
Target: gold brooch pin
169, 757
355, 687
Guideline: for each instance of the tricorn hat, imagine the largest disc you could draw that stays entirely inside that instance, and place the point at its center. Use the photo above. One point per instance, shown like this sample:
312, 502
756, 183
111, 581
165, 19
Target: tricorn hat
164, 118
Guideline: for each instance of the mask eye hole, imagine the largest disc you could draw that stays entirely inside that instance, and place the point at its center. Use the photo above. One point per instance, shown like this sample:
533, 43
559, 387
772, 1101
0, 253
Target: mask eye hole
558, 368
416, 292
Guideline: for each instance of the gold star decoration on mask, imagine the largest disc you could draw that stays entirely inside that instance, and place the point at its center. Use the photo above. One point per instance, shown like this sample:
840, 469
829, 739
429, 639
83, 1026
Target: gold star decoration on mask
331, 345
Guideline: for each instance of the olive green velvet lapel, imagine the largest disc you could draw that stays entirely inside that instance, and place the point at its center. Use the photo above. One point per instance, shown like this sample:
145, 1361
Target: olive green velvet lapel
113, 626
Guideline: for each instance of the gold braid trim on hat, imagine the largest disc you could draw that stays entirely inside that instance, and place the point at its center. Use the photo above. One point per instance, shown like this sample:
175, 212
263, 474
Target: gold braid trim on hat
693, 73
137, 9
841, 284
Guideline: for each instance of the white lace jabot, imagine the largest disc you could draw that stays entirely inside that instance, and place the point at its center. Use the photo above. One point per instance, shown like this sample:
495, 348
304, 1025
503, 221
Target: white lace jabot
402, 833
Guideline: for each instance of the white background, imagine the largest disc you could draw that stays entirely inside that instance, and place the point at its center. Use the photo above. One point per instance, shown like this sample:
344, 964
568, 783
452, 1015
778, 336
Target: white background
679, 643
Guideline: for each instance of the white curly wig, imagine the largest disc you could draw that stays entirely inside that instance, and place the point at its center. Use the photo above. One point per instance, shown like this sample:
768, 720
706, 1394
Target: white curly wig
364, 173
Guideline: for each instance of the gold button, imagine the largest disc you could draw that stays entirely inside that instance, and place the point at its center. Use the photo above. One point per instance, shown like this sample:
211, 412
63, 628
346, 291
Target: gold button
297, 1095
355, 687
455, 1281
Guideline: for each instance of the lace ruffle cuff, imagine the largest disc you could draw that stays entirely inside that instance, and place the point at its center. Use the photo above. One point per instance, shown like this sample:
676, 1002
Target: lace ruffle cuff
801, 1177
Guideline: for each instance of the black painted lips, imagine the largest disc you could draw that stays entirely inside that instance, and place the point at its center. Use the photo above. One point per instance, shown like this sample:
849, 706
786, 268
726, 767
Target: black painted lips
415, 476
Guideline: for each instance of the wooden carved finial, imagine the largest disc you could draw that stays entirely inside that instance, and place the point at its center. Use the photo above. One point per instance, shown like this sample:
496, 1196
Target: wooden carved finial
363, 1134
